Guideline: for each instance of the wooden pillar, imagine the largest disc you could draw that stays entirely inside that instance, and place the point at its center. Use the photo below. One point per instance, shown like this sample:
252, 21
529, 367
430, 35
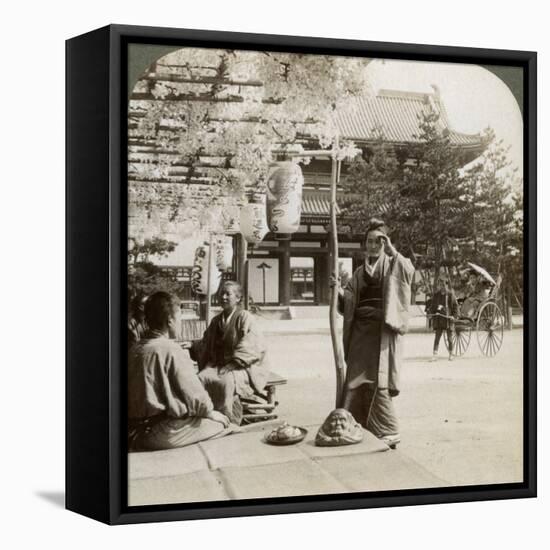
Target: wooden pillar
318, 279
241, 246
284, 273
242, 268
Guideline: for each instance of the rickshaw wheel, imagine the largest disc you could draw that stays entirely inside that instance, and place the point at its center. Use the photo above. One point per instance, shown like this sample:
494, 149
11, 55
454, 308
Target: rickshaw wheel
490, 329
460, 336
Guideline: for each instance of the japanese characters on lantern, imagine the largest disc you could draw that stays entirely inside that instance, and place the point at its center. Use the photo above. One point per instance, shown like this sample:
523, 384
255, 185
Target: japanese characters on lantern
199, 275
253, 220
284, 197
224, 252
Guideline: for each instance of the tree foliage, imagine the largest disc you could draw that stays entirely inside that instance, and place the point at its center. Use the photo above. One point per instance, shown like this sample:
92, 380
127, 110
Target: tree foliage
440, 213
221, 117
144, 276
496, 214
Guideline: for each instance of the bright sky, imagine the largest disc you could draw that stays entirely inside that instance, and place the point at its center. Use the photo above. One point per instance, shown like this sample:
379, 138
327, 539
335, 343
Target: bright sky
474, 97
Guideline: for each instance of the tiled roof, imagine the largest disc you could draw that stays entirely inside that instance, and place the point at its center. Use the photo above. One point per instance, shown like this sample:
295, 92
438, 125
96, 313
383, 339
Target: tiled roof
316, 203
396, 115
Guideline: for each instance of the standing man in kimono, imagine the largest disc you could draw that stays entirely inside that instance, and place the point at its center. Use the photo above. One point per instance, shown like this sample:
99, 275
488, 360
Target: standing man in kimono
375, 305
167, 404
231, 355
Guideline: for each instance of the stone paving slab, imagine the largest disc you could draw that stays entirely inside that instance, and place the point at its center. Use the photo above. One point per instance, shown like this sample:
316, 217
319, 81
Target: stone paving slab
379, 472
173, 462
247, 449
193, 487
370, 444
296, 478
243, 466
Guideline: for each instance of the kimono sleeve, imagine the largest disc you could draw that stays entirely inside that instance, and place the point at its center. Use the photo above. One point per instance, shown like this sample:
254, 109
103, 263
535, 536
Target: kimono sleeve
202, 351
186, 385
250, 347
347, 298
397, 296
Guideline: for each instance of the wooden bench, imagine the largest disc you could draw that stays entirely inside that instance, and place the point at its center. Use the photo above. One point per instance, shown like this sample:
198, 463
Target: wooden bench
261, 407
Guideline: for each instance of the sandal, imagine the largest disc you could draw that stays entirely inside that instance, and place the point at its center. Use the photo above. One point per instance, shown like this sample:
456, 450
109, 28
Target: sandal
391, 440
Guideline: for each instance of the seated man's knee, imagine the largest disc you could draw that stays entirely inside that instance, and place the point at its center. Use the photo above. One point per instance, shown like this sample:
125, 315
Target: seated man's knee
226, 381
208, 374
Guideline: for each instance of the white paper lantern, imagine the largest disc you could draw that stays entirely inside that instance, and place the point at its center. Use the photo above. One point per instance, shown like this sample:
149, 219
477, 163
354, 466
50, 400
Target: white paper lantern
224, 253
284, 197
231, 216
254, 221
199, 275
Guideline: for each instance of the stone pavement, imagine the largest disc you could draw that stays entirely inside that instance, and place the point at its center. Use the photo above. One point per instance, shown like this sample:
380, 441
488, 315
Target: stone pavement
319, 324
461, 424
242, 466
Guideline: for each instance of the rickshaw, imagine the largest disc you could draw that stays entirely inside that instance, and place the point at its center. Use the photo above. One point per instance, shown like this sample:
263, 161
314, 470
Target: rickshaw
480, 313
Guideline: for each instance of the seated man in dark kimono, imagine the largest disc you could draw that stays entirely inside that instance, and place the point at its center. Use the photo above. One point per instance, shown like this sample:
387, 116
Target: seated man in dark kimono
231, 355
167, 404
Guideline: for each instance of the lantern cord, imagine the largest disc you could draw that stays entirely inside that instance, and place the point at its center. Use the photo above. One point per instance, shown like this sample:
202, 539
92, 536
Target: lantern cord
333, 311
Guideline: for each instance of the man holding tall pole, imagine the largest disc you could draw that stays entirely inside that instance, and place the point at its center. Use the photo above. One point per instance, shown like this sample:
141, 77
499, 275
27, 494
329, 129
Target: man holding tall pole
375, 306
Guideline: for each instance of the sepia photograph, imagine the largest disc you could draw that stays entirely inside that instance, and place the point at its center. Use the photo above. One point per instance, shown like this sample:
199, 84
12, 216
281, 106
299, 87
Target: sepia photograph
325, 275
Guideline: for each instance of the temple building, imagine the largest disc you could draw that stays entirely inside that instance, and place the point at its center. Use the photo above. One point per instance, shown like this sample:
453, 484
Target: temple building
296, 271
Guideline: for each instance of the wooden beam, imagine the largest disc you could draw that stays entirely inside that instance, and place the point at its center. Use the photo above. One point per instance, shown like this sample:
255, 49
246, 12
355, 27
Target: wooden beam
176, 176
252, 120
156, 77
161, 151
154, 162
163, 127
147, 142
148, 96
194, 180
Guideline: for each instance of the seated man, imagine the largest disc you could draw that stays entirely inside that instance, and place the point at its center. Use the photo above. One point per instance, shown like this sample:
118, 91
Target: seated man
136, 320
231, 355
472, 302
167, 405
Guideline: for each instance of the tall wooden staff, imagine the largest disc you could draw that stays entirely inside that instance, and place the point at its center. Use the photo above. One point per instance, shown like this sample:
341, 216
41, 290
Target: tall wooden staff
336, 342
209, 280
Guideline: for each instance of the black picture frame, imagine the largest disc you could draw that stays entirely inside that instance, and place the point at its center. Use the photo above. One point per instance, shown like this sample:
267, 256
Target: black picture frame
96, 213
